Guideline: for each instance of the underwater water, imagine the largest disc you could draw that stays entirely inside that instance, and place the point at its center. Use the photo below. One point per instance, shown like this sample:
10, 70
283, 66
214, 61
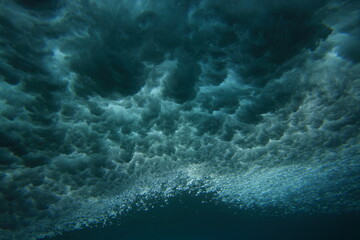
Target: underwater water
188, 217
169, 119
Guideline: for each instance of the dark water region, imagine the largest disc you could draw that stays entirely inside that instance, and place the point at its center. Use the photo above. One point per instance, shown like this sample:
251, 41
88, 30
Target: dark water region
199, 218
105, 105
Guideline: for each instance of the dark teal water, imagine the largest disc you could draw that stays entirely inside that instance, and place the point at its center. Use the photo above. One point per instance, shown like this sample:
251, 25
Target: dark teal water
188, 218
112, 110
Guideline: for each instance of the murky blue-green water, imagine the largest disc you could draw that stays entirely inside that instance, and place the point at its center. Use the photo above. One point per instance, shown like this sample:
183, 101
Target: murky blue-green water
193, 119
197, 218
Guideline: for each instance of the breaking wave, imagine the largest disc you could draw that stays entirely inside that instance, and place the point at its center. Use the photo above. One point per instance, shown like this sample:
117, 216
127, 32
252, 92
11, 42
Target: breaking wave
107, 104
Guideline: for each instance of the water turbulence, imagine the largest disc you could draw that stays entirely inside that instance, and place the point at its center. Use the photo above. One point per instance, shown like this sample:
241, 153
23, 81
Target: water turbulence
150, 113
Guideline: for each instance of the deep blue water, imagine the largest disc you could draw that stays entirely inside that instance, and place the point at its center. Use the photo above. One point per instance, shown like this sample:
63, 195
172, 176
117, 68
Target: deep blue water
188, 217
169, 119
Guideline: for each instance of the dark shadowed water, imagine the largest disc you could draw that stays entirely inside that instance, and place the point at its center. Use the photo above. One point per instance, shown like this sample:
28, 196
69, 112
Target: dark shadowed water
195, 218
179, 119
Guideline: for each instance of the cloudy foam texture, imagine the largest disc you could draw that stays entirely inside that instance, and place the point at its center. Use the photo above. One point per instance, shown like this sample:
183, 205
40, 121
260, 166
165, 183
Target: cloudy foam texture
103, 104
